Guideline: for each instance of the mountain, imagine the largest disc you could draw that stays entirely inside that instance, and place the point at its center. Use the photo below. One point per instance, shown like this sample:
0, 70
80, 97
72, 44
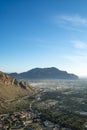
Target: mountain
11, 88
44, 73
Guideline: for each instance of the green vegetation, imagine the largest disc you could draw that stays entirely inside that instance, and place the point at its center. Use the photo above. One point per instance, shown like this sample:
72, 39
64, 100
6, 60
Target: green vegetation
69, 108
66, 106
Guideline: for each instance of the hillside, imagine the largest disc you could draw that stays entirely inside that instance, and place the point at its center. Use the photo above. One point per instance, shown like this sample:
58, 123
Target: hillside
11, 88
44, 73
14, 95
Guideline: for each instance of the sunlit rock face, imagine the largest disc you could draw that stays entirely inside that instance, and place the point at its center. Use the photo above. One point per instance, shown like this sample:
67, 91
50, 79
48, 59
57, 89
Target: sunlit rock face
7, 80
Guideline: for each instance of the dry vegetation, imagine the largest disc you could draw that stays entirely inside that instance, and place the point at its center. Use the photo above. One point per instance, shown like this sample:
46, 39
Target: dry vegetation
13, 94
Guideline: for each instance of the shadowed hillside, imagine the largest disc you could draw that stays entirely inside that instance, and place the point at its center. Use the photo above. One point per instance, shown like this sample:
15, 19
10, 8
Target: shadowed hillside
44, 73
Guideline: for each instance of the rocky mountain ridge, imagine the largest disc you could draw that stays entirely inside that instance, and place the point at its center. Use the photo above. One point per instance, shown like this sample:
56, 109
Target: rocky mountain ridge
9, 81
11, 87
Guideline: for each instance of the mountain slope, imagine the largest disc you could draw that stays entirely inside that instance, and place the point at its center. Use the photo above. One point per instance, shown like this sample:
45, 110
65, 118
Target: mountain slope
44, 73
10, 88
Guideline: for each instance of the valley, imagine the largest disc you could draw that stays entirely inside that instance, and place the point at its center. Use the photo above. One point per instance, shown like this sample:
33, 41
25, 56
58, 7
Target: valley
65, 105
50, 104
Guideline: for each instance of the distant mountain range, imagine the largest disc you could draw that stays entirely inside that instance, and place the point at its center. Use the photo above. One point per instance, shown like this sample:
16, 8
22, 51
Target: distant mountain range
44, 73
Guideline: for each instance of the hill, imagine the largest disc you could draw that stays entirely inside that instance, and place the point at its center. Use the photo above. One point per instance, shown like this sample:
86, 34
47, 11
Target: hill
44, 73
14, 95
11, 88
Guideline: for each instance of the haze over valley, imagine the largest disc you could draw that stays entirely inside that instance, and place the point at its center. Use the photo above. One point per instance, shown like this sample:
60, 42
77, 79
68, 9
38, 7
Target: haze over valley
52, 103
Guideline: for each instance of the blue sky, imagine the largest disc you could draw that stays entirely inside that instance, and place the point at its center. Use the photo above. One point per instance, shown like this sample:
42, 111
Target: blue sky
43, 33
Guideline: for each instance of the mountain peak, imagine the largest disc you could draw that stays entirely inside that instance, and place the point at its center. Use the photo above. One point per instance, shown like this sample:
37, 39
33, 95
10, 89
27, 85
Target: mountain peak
45, 73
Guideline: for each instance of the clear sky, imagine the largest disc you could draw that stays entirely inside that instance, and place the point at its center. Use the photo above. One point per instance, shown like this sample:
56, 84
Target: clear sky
43, 33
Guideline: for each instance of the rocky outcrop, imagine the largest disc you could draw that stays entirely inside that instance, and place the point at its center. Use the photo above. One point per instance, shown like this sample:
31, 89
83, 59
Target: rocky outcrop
11, 88
9, 81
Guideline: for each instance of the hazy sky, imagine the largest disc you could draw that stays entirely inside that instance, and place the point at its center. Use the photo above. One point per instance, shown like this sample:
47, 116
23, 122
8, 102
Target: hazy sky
43, 33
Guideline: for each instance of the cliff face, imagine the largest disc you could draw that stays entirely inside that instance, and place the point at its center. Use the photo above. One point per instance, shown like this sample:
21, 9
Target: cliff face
11, 88
7, 80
